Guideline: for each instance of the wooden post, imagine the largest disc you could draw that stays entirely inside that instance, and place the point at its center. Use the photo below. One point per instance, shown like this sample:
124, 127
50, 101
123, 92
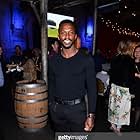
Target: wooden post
95, 26
44, 38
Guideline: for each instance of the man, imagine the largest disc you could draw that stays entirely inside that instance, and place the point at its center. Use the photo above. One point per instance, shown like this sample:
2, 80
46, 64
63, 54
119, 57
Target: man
71, 76
36, 57
17, 58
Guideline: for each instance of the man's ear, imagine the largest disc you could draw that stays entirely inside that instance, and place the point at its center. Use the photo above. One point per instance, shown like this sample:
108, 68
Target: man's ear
76, 36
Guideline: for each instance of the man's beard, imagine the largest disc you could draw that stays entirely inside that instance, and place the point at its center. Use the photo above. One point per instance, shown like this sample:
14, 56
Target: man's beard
67, 47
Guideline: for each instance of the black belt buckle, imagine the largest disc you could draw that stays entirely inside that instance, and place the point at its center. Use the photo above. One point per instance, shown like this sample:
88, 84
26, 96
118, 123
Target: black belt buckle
77, 101
72, 102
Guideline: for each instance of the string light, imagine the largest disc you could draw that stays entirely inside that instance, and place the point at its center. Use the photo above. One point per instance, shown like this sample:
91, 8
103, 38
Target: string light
129, 9
119, 29
133, 14
125, 7
116, 27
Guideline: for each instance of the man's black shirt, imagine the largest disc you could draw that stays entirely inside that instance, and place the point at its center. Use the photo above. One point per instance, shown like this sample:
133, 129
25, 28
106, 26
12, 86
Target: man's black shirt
72, 78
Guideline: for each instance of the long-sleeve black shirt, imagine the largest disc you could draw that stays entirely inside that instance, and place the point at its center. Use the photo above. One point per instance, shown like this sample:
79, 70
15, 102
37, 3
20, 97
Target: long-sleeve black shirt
72, 78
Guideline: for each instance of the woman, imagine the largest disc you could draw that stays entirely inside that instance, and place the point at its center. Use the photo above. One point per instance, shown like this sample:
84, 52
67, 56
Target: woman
121, 78
136, 55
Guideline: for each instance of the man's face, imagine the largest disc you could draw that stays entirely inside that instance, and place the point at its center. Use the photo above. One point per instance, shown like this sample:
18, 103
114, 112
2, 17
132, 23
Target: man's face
67, 35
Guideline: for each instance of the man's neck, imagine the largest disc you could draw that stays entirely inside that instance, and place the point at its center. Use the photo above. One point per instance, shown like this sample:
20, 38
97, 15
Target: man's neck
67, 53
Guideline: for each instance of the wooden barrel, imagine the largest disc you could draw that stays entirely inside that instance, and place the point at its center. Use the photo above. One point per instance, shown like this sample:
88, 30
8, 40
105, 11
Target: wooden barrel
31, 104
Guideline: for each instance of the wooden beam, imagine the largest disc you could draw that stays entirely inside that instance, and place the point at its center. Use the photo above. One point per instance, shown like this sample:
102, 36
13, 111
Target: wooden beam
95, 26
44, 38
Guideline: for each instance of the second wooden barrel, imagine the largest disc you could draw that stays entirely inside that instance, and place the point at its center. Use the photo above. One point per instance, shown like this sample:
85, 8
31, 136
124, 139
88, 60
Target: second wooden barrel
31, 104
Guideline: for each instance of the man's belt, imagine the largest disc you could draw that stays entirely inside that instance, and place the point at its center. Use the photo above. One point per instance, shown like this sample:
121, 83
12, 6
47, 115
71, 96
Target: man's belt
68, 102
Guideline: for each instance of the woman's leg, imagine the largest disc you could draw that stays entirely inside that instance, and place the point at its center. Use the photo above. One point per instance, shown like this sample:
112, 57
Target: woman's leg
113, 126
119, 127
118, 130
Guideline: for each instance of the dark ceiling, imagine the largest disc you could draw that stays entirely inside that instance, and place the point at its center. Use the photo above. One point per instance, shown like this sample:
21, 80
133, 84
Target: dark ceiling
65, 4
124, 12
129, 9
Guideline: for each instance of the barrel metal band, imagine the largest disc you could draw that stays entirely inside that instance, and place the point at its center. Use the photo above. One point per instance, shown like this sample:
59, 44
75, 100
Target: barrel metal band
31, 85
45, 115
30, 101
30, 93
33, 122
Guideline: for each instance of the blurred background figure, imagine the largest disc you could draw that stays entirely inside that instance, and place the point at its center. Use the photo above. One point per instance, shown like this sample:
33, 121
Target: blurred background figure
3, 80
29, 70
15, 72
54, 48
99, 60
29, 67
136, 88
32, 65
78, 42
36, 57
18, 57
16, 62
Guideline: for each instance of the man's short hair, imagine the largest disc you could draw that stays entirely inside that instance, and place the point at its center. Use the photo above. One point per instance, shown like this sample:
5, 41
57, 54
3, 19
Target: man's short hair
69, 22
